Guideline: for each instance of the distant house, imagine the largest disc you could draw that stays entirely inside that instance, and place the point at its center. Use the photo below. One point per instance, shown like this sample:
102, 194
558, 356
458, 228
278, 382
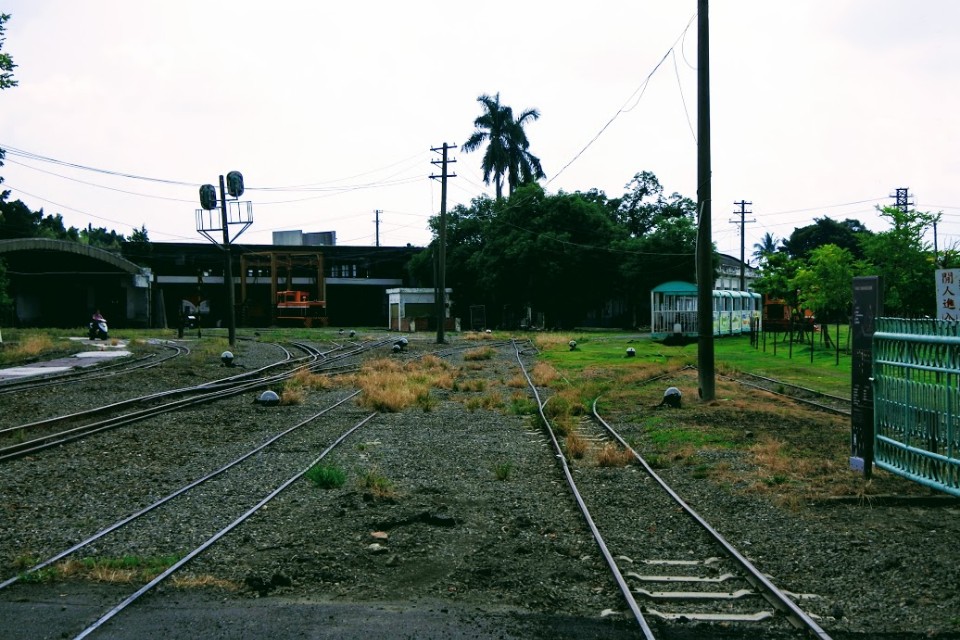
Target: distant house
728, 275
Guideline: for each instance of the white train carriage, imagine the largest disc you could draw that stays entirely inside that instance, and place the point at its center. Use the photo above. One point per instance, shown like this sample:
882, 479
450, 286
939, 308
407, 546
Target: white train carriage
673, 309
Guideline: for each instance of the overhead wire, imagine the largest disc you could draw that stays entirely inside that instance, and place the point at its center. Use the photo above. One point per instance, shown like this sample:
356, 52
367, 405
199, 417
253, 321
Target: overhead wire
638, 92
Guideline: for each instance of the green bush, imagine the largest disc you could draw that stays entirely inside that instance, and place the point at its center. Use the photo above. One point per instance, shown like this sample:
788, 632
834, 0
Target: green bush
327, 476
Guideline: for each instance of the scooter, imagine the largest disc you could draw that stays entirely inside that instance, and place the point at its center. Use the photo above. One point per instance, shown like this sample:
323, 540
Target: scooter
98, 330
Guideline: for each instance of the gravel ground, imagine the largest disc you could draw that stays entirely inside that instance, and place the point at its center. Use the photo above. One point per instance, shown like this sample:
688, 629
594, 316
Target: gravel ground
454, 549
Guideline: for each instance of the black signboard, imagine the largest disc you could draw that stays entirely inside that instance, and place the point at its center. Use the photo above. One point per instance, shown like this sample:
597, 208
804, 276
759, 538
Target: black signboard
867, 307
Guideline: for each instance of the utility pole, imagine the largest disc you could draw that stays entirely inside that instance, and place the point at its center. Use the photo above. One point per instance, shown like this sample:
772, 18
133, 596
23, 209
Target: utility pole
441, 296
902, 199
377, 212
705, 364
742, 222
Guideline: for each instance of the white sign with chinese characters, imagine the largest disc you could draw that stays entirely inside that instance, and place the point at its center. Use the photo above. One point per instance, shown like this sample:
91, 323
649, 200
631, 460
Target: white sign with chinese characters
948, 294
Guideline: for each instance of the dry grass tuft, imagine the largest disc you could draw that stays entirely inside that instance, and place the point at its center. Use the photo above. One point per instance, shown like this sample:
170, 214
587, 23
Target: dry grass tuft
378, 486
389, 385
577, 445
490, 402
474, 384
612, 455
29, 346
552, 341
543, 374
111, 570
517, 382
483, 353
309, 381
292, 396
477, 335
202, 581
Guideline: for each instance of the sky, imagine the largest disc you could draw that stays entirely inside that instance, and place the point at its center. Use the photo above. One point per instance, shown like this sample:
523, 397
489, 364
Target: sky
330, 109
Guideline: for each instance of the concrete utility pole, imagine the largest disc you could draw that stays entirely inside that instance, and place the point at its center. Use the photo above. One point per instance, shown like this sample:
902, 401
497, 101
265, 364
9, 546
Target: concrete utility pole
441, 296
743, 235
705, 364
377, 212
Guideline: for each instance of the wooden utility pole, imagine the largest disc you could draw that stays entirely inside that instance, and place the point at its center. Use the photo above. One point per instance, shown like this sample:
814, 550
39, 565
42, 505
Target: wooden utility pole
743, 235
377, 212
705, 364
441, 296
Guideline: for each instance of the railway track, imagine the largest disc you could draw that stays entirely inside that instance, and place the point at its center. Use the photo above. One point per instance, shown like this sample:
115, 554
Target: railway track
34, 437
288, 455
675, 568
810, 397
95, 373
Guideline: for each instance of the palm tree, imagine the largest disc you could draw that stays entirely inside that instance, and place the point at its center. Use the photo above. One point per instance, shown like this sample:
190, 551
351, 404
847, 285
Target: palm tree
507, 145
767, 245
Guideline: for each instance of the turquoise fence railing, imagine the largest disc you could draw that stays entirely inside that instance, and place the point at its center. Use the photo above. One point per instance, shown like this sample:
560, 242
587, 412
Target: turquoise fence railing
916, 399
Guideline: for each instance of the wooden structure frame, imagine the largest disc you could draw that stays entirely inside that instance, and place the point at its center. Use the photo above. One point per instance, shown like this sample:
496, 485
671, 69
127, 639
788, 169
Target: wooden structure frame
282, 267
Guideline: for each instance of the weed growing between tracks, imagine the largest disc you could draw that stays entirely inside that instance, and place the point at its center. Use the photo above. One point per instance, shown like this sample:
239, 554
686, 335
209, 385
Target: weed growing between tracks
327, 476
378, 487
391, 385
502, 470
113, 570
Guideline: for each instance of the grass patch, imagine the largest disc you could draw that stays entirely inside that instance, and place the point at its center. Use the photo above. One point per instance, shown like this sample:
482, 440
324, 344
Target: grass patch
502, 470
377, 486
470, 385
113, 570
32, 345
483, 353
521, 405
327, 476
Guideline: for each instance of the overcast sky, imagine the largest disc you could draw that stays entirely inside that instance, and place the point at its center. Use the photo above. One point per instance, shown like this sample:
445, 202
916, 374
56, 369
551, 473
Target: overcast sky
329, 109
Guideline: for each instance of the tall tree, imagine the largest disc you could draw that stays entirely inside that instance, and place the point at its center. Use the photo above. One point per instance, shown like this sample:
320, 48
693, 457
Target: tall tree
823, 286
6, 62
767, 245
507, 151
905, 261
6, 80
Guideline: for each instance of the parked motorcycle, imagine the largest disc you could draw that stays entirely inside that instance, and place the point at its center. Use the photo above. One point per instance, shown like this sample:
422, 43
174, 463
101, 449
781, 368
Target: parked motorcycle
99, 330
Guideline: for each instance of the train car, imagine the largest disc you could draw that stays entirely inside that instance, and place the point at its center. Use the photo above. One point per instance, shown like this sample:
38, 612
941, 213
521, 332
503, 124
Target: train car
673, 308
296, 307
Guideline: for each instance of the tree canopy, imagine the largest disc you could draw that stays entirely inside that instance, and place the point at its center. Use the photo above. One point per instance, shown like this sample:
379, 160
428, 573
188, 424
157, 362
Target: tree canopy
566, 255
823, 231
6, 61
818, 276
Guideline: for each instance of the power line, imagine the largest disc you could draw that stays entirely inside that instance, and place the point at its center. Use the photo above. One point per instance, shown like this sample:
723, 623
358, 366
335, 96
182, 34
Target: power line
641, 90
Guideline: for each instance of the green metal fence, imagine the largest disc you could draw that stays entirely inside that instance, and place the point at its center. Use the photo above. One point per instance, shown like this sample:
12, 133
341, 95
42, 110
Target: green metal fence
916, 371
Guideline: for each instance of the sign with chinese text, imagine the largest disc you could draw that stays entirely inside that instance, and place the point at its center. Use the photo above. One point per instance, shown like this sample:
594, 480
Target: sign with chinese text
867, 307
948, 294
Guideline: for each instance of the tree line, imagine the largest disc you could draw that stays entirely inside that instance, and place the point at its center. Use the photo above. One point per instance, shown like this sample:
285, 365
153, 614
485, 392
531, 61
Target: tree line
566, 255
814, 268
